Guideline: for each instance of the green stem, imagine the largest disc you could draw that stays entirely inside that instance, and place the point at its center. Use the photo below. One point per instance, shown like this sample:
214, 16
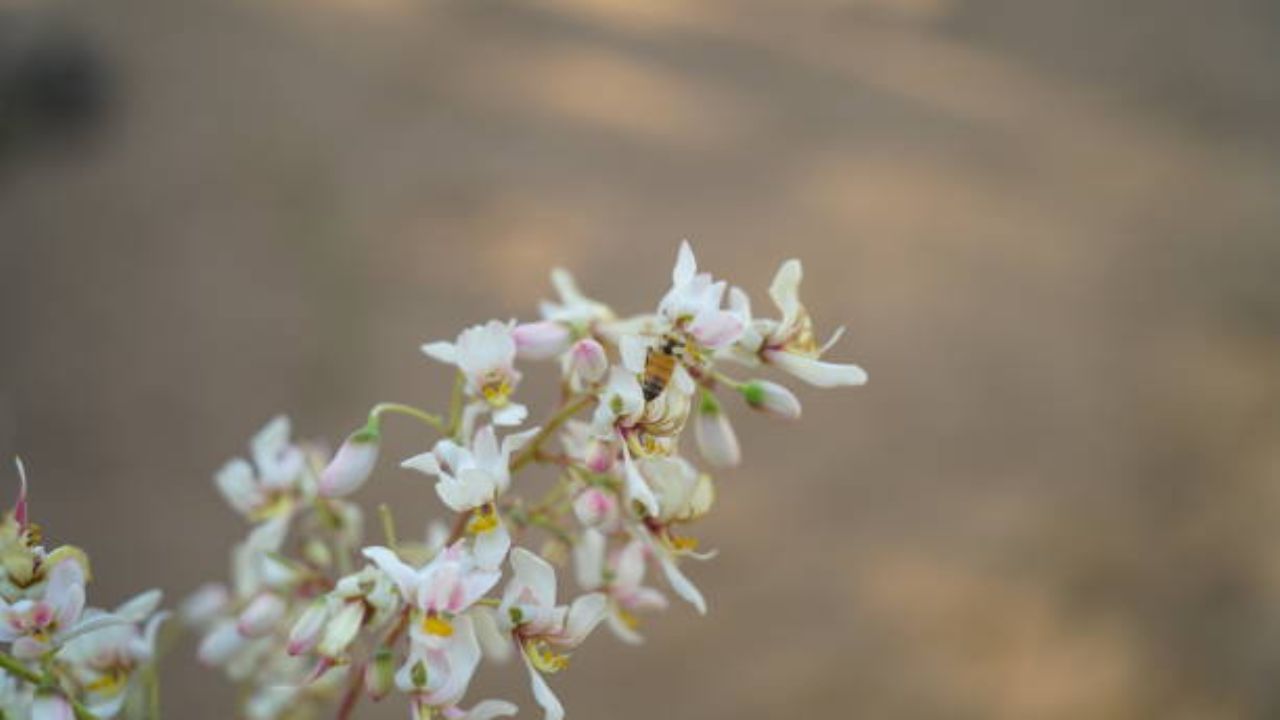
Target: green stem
530, 452
388, 525
18, 670
408, 410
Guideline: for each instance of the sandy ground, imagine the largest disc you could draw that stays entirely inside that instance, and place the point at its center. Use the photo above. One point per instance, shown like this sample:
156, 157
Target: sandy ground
1050, 227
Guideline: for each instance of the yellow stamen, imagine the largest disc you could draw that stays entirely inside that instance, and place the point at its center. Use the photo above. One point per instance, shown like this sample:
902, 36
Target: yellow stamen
681, 543
435, 625
544, 658
496, 390
483, 520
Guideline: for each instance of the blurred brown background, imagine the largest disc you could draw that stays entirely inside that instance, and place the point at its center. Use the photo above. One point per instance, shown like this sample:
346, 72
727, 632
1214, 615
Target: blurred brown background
1050, 226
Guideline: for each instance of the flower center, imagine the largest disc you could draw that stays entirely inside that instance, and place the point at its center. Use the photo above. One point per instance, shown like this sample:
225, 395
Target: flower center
433, 624
496, 389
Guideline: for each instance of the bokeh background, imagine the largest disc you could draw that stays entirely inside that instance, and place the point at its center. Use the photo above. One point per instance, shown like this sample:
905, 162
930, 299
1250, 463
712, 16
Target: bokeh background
1050, 226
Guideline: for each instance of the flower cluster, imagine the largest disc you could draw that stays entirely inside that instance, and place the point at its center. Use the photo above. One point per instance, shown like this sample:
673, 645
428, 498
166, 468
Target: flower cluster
312, 614
65, 660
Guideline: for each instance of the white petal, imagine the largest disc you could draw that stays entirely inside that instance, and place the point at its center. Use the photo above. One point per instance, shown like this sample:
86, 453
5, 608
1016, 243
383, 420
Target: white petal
404, 576
588, 556
535, 574
510, 415
140, 606
551, 706
443, 351
491, 547
424, 463
686, 265
490, 709
238, 486
634, 351
785, 291
637, 489
497, 645
584, 614
816, 372
717, 441
716, 328
681, 585
623, 630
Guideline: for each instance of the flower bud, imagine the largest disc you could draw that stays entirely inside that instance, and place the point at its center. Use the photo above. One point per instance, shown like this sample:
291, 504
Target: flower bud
340, 631
716, 439
380, 674
353, 464
306, 631
772, 398
596, 508
261, 615
600, 456
540, 340
48, 706
587, 362
204, 604
221, 644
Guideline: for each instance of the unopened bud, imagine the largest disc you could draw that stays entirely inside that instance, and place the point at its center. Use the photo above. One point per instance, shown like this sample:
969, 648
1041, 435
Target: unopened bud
221, 644
261, 615
204, 604
716, 439
340, 631
596, 508
600, 456
587, 362
540, 340
306, 631
353, 463
772, 398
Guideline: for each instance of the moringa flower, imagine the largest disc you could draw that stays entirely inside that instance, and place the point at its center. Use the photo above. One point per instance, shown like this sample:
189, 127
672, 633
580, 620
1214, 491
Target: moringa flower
271, 483
486, 356
545, 631
471, 481
36, 626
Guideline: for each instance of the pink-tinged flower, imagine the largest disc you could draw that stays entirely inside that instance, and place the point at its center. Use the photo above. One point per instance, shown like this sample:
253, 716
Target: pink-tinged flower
50, 706
772, 398
597, 508
717, 441
470, 480
586, 364
790, 343
20, 507
541, 340
440, 590
307, 629
546, 632
486, 356
36, 626
352, 465
693, 304
439, 667
270, 485
620, 575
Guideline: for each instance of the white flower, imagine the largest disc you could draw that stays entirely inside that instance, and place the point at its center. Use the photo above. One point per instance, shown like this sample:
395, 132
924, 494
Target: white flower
281, 473
789, 342
693, 304
597, 508
36, 626
471, 481
486, 710
104, 659
439, 668
546, 632
440, 590
49, 706
486, 356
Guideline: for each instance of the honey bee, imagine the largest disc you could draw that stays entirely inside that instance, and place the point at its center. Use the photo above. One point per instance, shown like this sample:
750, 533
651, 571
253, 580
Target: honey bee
660, 364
